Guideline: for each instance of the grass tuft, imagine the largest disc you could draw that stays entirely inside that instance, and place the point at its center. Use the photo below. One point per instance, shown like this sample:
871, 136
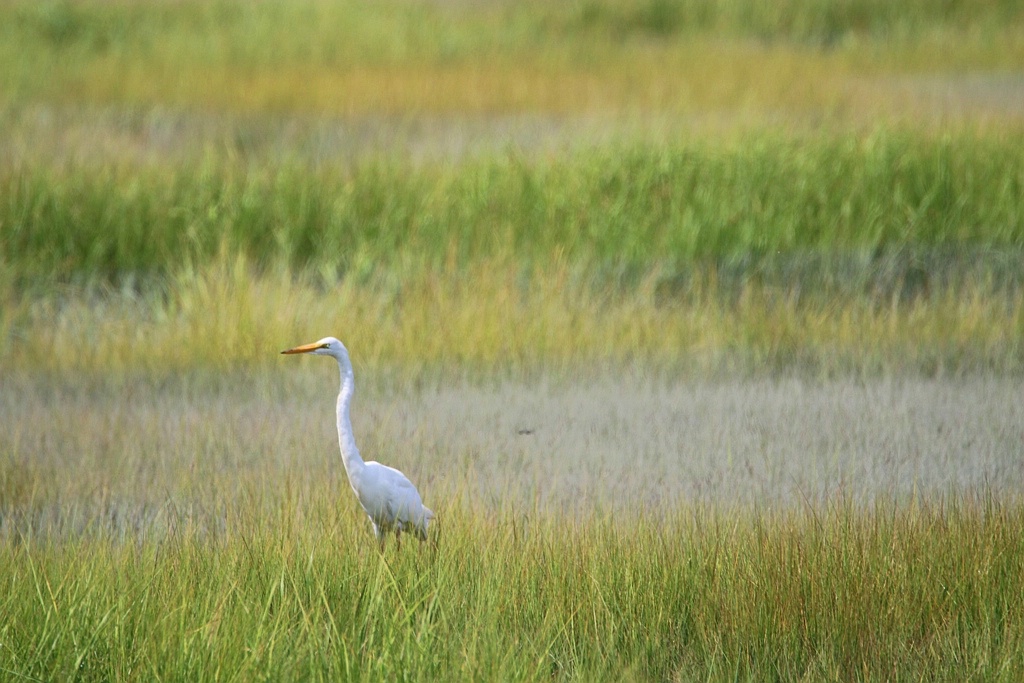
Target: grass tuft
901, 592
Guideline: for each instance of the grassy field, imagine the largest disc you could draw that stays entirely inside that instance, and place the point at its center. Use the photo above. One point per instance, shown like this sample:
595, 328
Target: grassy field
617, 210
404, 58
289, 593
201, 527
894, 252
699, 596
700, 323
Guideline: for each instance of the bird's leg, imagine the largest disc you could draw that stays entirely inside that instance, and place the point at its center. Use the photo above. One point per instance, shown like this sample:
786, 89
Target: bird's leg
398, 538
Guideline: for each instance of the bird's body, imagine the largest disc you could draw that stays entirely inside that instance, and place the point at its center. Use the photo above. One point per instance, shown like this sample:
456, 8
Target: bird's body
390, 500
386, 495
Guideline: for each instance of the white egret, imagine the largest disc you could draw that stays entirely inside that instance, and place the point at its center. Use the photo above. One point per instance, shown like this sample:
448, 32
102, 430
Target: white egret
387, 495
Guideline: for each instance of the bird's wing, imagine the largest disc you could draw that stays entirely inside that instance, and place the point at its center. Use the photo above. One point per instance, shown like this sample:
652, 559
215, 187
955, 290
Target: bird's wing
403, 501
394, 481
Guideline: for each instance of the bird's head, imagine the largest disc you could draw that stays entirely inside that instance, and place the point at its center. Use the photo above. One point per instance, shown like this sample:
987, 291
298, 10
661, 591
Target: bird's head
328, 346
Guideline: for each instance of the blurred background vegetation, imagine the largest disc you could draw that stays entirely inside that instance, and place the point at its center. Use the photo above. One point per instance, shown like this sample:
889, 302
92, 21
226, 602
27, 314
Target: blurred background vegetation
632, 167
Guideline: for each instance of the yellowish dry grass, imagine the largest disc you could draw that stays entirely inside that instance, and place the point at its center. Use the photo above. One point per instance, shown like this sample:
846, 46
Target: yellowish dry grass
732, 81
349, 59
706, 74
493, 316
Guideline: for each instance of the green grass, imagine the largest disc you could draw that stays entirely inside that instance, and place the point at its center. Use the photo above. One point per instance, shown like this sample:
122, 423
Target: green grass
200, 527
295, 590
624, 210
834, 253
799, 20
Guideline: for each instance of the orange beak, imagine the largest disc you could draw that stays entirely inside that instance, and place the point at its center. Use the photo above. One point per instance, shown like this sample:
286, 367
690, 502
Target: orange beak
305, 348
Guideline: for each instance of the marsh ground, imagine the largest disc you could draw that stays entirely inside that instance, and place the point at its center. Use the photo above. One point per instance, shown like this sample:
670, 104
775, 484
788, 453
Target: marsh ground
615, 442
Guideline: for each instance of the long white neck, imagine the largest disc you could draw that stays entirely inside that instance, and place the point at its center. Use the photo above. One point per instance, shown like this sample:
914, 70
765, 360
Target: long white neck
346, 439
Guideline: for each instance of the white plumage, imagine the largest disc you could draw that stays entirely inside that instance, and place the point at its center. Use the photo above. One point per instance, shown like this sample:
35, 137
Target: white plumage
388, 497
